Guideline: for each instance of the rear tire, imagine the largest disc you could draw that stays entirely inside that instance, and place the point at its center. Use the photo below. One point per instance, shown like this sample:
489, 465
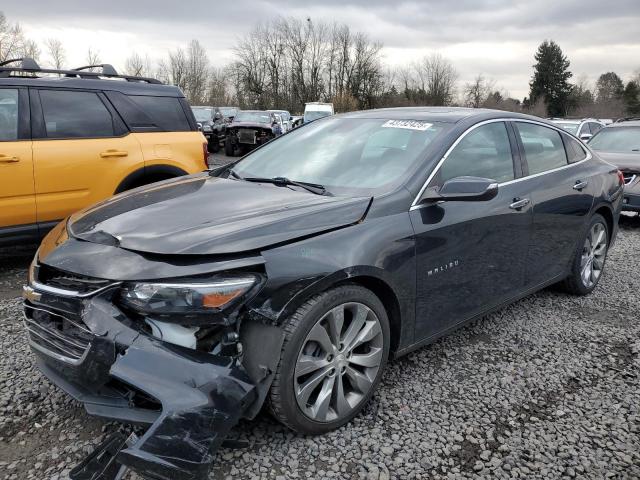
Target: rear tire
228, 148
589, 259
335, 350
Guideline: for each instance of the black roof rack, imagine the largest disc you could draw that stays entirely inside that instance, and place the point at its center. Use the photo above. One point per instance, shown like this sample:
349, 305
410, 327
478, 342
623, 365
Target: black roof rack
29, 65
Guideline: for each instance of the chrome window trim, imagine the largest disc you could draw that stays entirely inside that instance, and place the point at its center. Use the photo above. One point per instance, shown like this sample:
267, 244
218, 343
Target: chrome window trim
631, 179
415, 205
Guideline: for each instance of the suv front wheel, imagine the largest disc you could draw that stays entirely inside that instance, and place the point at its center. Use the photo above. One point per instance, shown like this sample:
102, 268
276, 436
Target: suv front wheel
335, 350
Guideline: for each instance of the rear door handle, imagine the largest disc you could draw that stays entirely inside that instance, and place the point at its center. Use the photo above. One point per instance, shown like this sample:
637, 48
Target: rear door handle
114, 153
580, 184
519, 203
8, 159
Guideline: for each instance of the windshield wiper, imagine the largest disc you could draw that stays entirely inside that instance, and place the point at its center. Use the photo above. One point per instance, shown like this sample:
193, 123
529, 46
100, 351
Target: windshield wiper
285, 182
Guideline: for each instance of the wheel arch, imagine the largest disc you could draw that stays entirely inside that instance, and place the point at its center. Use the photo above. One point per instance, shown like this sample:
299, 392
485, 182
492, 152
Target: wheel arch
370, 278
149, 174
606, 211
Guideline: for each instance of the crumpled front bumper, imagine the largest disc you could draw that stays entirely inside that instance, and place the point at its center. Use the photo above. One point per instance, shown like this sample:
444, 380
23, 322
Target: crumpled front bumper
202, 396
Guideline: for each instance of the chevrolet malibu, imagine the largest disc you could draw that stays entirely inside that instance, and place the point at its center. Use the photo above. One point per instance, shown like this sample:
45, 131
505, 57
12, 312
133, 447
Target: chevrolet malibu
291, 276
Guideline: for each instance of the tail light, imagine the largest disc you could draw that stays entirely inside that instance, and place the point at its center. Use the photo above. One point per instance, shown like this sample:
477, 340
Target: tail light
620, 178
205, 155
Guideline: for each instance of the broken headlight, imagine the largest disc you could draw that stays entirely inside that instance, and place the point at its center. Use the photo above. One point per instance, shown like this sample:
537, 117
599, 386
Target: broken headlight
186, 298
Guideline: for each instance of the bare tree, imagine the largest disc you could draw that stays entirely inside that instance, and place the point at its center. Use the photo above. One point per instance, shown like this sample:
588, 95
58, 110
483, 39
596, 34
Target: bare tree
138, 66
477, 91
12, 41
56, 52
93, 58
437, 78
197, 72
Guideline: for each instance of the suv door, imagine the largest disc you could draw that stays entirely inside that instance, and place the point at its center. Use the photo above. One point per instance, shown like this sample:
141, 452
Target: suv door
17, 200
81, 151
470, 255
562, 198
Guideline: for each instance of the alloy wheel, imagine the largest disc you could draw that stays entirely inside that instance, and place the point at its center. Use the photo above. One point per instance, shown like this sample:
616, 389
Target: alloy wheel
338, 362
594, 252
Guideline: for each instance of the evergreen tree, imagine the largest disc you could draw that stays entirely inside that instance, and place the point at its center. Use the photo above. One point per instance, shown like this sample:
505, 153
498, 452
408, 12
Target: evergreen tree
631, 97
550, 79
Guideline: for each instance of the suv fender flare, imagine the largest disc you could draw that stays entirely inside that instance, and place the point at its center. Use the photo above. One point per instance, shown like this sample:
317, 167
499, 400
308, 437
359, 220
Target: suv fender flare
143, 175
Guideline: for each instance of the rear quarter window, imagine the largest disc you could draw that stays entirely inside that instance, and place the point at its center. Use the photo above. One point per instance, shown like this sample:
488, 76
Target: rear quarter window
146, 113
575, 151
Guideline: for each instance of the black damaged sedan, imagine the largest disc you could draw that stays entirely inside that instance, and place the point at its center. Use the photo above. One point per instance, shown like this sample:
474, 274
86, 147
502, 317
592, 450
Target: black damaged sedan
290, 277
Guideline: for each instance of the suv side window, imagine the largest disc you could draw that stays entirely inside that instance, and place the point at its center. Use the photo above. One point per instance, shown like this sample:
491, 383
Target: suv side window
484, 152
8, 114
166, 112
75, 114
543, 147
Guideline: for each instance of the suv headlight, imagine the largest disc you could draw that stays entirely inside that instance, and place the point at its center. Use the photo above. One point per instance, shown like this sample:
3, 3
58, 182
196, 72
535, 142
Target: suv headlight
186, 298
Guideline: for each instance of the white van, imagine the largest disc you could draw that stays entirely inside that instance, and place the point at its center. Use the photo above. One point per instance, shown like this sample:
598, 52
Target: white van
315, 110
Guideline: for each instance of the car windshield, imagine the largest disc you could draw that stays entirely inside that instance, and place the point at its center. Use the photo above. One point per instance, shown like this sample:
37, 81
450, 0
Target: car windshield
228, 111
311, 115
569, 126
202, 114
349, 156
617, 139
252, 117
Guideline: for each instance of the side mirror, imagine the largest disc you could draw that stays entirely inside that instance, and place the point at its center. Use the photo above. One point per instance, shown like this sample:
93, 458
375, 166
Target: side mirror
218, 116
462, 189
199, 125
585, 137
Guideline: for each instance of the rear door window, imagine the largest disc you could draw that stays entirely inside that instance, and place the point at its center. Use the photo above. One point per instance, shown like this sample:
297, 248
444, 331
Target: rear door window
75, 114
8, 114
543, 147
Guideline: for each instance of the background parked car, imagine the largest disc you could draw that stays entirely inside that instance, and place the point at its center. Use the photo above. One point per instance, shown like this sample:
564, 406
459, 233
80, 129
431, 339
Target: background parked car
213, 124
250, 129
287, 119
315, 110
583, 129
619, 144
229, 112
70, 141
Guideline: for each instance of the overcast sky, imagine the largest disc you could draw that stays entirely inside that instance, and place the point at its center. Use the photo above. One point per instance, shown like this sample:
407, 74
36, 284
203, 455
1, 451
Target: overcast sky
495, 37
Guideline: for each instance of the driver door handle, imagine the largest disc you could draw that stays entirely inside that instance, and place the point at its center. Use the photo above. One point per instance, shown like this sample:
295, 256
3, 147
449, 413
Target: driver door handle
8, 159
519, 203
114, 153
580, 184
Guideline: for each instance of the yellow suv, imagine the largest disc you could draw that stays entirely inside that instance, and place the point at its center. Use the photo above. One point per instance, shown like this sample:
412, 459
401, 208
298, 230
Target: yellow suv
70, 140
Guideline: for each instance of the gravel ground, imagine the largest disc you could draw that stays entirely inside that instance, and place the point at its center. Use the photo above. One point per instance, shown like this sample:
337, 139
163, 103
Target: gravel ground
546, 388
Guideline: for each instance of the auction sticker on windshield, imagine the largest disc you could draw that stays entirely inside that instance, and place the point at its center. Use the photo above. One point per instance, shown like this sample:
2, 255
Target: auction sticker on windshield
408, 124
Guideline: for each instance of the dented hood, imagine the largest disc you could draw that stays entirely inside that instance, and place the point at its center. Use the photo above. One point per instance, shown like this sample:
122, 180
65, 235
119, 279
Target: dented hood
208, 216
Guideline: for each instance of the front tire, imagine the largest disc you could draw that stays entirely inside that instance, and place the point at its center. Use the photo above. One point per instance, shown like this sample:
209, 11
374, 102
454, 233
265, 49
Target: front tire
589, 258
335, 349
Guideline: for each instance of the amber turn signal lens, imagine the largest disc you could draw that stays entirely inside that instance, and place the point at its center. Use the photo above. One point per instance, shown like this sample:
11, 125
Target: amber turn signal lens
218, 299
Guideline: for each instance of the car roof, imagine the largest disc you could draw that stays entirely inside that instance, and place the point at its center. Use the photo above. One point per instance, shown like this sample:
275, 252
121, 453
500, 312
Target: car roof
440, 114
123, 86
566, 120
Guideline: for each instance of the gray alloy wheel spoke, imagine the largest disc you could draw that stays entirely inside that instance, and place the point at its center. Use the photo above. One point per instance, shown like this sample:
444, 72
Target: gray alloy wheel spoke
319, 334
306, 389
370, 359
309, 364
357, 323
336, 321
338, 361
359, 379
320, 407
368, 332
341, 405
